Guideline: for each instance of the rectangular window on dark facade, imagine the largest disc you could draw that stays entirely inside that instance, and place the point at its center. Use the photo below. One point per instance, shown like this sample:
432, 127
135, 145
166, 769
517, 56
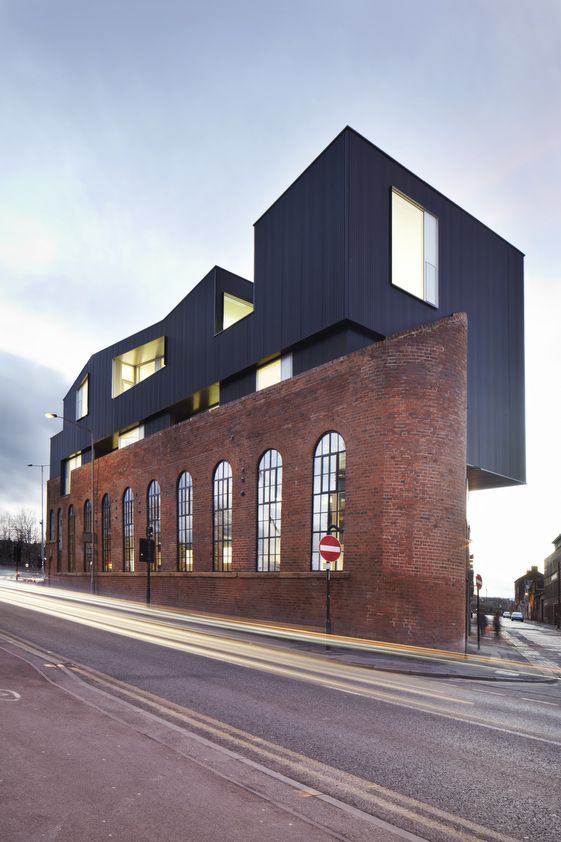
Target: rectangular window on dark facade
414, 249
82, 398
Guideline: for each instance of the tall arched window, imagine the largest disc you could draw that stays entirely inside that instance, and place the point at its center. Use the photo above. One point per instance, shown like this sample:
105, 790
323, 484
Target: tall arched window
107, 564
59, 542
128, 531
269, 502
71, 540
153, 511
329, 495
185, 523
222, 518
88, 546
51, 525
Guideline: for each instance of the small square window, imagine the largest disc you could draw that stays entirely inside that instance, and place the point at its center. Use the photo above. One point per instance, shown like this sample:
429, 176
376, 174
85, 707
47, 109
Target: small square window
273, 372
68, 466
131, 436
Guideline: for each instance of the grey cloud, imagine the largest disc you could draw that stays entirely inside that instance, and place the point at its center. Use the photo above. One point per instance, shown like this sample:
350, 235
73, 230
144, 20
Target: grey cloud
27, 391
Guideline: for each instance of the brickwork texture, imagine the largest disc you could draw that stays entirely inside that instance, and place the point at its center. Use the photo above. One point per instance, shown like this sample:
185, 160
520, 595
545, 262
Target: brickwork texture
400, 406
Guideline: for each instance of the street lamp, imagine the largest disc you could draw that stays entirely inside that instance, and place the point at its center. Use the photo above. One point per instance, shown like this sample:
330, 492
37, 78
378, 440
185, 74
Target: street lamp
86, 430
32, 465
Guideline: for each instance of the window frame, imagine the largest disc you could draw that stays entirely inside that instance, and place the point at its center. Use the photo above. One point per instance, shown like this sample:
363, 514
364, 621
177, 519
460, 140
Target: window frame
88, 529
154, 520
222, 516
184, 499
269, 495
71, 526
426, 297
128, 530
60, 526
83, 398
106, 562
70, 464
327, 516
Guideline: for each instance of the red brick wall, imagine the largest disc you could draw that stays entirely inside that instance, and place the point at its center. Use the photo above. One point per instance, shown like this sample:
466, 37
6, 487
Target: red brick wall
400, 406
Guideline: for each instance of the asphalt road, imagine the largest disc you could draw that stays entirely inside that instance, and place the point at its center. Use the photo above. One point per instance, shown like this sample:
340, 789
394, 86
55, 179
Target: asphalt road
446, 759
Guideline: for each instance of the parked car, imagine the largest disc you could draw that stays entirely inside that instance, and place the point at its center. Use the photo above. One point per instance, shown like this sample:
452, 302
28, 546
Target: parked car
517, 615
506, 614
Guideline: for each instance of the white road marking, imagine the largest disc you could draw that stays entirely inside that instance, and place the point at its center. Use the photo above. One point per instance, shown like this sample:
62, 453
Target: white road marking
492, 692
9, 696
540, 702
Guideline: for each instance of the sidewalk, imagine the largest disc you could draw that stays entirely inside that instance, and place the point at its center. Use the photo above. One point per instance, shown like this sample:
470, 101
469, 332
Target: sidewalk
72, 771
496, 660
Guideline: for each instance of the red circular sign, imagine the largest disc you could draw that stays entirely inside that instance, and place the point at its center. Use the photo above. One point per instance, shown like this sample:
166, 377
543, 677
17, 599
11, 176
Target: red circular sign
478, 582
329, 548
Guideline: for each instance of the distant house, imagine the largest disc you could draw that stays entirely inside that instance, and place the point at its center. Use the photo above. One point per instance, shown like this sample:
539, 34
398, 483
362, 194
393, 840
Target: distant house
552, 585
375, 364
528, 594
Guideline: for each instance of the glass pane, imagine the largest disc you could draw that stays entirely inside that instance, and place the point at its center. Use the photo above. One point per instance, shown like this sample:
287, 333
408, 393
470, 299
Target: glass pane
234, 310
407, 246
431, 284
268, 375
431, 239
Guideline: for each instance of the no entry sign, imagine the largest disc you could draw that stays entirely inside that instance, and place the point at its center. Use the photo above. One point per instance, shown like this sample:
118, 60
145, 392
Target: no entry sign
329, 548
478, 582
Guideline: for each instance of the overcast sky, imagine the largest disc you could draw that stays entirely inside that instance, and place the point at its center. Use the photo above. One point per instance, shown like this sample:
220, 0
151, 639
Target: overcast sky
140, 140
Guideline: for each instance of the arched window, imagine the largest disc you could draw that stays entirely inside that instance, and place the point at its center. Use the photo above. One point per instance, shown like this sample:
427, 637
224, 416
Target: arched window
51, 525
185, 523
222, 518
107, 564
269, 502
128, 531
71, 540
329, 495
59, 542
88, 546
153, 511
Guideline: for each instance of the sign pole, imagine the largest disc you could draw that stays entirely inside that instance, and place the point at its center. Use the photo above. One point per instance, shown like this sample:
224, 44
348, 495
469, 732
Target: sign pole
328, 597
478, 584
559, 593
329, 550
149, 532
478, 623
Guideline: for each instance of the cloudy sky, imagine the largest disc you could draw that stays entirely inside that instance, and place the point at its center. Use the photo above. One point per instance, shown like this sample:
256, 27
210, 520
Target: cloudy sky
140, 140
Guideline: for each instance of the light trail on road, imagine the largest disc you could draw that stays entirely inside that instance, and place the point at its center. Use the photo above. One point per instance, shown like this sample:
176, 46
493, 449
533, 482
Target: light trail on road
270, 629
424, 753
412, 692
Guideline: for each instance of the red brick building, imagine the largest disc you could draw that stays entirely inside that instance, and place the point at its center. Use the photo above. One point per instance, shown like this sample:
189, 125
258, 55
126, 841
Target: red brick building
400, 408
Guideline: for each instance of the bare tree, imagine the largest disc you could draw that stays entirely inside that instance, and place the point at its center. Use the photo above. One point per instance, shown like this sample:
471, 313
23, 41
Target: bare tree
6, 529
25, 528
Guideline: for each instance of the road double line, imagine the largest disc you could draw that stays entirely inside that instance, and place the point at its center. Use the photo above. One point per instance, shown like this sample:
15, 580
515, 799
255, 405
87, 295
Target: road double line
163, 720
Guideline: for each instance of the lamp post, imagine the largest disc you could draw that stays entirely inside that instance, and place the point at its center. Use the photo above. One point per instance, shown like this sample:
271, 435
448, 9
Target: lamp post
86, 430
559, 593
32, 465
